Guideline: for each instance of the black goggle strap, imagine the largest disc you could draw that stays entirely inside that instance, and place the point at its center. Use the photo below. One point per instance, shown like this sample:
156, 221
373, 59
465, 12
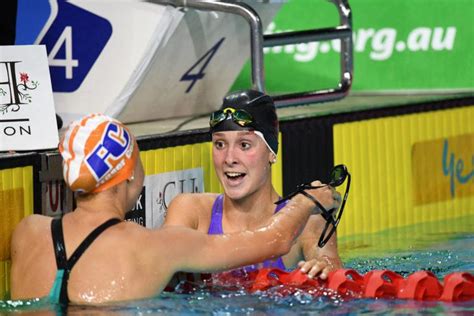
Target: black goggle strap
328, 215
301, 189
330, 220
334, 220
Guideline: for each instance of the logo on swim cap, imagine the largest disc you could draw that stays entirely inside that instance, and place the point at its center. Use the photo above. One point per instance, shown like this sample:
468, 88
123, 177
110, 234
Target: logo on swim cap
98, 153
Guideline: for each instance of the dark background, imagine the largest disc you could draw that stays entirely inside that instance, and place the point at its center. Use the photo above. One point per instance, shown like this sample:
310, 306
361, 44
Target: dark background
8, 22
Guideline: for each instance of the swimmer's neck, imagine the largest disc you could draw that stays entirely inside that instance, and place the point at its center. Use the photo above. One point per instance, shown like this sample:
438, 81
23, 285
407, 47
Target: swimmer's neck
103, 205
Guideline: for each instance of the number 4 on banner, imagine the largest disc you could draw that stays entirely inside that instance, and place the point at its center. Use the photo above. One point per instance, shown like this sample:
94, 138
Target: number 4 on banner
68, 63
203, 61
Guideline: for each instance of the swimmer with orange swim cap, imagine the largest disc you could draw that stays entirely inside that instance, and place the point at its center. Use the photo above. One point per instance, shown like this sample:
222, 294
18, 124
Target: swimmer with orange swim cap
98, 153
91, 255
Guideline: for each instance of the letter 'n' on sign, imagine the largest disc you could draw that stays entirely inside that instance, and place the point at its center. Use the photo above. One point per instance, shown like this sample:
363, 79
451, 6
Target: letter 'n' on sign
443, 169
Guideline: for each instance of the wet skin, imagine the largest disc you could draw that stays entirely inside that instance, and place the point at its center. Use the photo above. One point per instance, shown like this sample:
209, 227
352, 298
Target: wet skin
242, 162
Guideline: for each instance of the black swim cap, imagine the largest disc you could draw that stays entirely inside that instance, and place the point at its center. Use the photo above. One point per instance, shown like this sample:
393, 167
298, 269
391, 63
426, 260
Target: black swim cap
262, 109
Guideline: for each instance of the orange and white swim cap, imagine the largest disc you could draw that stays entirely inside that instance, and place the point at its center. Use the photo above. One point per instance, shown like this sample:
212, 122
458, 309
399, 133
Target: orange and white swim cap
98, 153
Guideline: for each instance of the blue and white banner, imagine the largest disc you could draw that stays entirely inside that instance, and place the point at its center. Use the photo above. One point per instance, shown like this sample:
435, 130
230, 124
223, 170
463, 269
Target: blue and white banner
135, 60
95, 48
74, 38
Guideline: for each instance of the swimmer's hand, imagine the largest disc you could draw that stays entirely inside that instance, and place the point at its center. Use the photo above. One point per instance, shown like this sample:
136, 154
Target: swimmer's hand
319, 267
327, 197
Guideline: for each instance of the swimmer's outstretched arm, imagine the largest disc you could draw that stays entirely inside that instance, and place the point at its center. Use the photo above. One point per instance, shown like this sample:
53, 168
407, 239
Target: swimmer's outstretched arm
194, 251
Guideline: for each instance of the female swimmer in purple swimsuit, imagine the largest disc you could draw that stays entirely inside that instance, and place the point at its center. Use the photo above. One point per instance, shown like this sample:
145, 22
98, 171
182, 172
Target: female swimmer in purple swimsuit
245, 143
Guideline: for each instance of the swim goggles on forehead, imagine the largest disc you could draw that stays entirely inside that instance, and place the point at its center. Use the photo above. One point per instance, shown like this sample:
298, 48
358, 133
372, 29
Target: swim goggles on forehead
240, 117
333, 216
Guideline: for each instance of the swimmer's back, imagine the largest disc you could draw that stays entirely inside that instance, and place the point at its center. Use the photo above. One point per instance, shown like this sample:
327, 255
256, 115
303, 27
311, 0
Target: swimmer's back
116, 266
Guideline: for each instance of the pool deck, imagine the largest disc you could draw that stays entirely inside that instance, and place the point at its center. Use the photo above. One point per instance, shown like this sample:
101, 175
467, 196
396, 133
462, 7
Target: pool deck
353, 102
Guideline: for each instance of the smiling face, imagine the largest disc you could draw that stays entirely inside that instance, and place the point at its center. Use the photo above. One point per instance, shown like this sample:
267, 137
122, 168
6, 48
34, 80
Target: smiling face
242, 162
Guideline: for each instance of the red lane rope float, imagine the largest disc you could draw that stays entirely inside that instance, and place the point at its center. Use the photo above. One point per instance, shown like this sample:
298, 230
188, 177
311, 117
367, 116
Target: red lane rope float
421, 285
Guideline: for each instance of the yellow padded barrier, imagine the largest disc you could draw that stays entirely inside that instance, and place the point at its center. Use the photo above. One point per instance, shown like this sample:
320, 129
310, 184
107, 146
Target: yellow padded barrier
16, 202
385, 157
277, 173
4, 279
182, 157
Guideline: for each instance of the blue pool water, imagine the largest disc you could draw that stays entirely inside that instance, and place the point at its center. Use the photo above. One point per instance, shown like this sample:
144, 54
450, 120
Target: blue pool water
449, 249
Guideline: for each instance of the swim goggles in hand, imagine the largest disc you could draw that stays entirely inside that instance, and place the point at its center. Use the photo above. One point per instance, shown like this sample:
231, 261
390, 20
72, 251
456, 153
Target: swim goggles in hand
240, 117
332, 216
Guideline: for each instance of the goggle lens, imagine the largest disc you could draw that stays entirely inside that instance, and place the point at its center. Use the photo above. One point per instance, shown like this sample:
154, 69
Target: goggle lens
217, 117
240, 117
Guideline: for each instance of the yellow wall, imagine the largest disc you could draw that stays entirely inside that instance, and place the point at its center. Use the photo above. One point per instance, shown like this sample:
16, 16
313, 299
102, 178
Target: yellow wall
385, 157
16, 201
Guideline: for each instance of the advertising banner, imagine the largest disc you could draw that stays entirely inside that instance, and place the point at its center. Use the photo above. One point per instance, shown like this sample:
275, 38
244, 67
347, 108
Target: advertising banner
161, 188
137, 214
407, 169
443, 169
57, 198
403, 45
27, 115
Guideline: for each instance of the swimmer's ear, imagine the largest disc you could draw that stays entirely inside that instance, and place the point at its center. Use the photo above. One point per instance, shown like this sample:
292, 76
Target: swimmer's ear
273, 158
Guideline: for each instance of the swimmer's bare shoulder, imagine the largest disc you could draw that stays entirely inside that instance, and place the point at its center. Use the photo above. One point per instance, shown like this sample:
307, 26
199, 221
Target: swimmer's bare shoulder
192, 210
31, 228
30, 240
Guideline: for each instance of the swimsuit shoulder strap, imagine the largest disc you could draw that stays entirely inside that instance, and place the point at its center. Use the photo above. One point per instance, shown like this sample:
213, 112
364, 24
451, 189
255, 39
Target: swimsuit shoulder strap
89, 239
278, 263
280, 206
59, 291
215, 226
58, 243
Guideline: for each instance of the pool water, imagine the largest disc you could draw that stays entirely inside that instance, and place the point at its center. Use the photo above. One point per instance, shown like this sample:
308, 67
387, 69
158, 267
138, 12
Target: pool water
441, 248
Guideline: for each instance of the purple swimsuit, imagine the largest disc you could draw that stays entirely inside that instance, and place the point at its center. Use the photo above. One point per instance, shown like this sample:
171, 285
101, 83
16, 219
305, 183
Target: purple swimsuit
215, 228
